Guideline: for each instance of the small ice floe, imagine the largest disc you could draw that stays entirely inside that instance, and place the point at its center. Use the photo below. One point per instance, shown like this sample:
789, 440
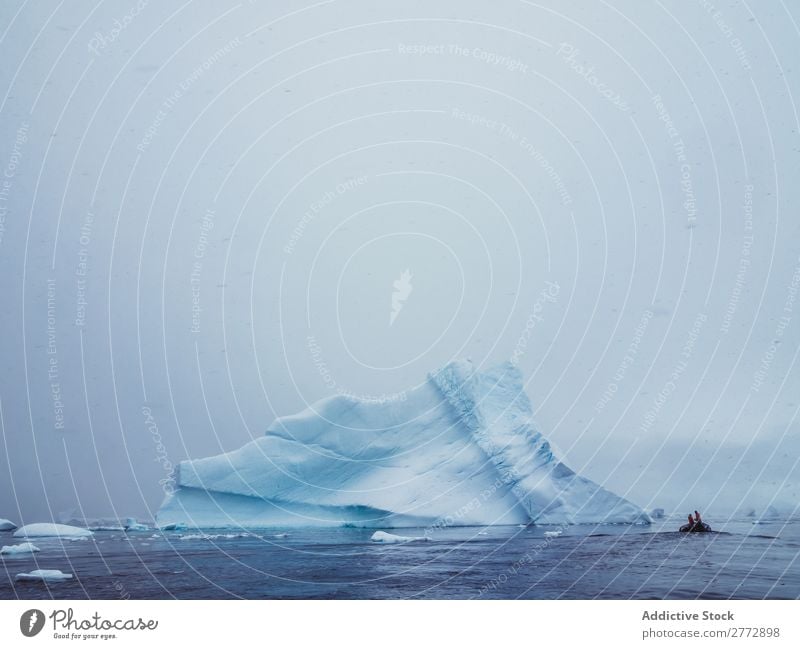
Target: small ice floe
385, 537
20, 548
43, 575
52, 529
282, 535
484, 533
552, 534
211, 537
173, 527
6, 525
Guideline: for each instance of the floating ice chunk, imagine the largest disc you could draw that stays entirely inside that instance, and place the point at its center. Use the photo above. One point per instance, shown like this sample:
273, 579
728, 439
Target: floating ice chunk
462, 437
43, 575
211, 537
385, 537
6, 525
283, 535
52, 529
132, 525
20, 548
658, 512
552, 534
138, 527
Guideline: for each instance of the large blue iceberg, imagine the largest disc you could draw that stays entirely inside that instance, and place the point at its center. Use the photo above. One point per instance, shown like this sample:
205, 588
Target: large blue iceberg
461, 449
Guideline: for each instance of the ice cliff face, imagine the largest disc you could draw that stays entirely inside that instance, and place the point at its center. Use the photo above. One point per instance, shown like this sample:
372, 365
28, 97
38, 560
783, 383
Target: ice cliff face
460, 450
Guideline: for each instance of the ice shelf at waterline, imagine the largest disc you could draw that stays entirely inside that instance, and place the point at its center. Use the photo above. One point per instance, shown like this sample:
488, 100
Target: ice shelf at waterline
461, 449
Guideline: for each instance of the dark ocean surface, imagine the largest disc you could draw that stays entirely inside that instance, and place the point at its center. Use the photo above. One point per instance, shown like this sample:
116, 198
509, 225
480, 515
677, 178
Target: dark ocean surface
742, 560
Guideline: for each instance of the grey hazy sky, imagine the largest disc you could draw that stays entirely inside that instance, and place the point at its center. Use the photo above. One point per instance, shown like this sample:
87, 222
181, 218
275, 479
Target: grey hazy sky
190, 192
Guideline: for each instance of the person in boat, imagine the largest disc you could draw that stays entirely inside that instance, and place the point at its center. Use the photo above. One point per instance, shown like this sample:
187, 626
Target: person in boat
695, 524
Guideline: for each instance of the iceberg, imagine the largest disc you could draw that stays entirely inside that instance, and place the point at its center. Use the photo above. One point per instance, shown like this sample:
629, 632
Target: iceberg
6, 525
20, 548
43, 575
460, 449
132, 525
52, 529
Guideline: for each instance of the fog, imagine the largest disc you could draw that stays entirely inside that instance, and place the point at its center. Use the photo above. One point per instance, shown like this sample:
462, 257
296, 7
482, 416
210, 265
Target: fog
207, 213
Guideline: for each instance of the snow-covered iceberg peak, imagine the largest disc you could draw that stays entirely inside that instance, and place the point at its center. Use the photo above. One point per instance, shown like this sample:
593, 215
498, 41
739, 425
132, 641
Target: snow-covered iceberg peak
461, 449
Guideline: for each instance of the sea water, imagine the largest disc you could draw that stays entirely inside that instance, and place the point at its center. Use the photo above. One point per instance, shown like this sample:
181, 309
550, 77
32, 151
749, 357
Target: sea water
743, 559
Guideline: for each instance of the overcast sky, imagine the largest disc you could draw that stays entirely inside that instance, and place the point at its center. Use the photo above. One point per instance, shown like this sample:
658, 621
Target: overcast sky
204, 210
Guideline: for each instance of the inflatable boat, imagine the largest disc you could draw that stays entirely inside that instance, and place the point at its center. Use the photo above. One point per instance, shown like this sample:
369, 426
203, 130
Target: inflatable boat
695, 527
